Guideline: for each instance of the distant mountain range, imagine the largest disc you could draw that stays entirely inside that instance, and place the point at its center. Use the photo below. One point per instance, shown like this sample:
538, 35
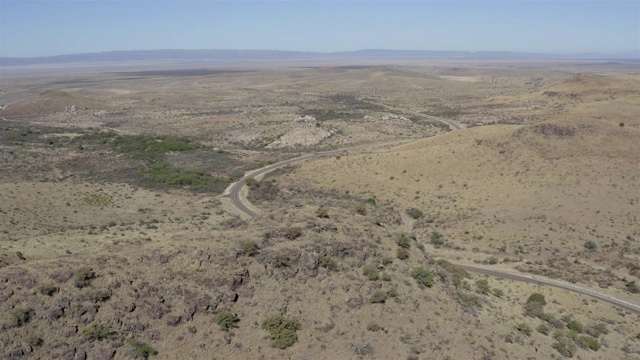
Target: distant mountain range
239, 55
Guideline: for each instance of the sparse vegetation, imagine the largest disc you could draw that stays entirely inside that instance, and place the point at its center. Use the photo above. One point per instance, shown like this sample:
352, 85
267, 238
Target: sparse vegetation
371, 273
282, 331
402, 253
83, 277
20, 316
97, 331
415, 213
403, 242
227, 320
141, 349
422, 276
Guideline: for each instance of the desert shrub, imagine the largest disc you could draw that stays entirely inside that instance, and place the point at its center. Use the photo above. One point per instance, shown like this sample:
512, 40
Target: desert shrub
374, 327
83, 277
252, 182
100, 296
360, 209
141, 349
370, 272
537, 298
165, 174
282, 331
415, 213
48, 290
564, 345
508, 338
596, 330
20, 316
632, 287
371, 200
378, 297
534, 309
97, 331
575, 325
250, 248
436, 238
543, 329
34, 341
483, 286
497, 292
292, 233
386, 277
227, 320
387, 260
322, 212
403, 242
150, 147
422, 276
524, 328
587, 342
402, 253
281, 261
328, 263
591, 245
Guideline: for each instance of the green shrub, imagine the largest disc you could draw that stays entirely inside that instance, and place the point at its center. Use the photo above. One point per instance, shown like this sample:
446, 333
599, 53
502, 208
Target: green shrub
150, 147
436, 238
328, 263
252, 182
370, 272
97, 331
402, 253
83, 277
100, 296
386, 277
537, 298
20, 316
227, 320
292, 233
632, 287
524, 328
591, 245
483, 286
587, 342
48, 290
250, 248
415, 213
543, 329
281, 261
403, 242
165, 174
371, 201
282, 331
422, 276
564, 345
378, 297
374, 327
575, 325
140, 349
360, 209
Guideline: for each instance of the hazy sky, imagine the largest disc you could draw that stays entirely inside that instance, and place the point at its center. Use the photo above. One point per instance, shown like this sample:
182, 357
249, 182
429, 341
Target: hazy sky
42, 28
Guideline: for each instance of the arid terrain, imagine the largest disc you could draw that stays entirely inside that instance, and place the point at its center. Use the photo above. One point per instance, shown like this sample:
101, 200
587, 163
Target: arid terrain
117, 241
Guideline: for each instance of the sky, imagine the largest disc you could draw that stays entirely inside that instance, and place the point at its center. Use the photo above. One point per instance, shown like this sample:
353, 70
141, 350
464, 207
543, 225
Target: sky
44, 28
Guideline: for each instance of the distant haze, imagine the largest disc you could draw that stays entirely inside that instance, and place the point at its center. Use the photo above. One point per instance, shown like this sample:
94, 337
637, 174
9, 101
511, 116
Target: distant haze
48, 28
257, 55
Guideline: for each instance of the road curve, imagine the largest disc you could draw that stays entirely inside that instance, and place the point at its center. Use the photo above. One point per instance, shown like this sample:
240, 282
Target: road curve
234, 191
550, 282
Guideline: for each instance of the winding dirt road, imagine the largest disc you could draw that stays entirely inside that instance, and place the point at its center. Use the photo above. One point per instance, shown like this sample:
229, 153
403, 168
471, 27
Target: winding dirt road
234, 192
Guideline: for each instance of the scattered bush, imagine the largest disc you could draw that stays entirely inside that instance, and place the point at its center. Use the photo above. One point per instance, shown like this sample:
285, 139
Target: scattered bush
574, 325
374, 327
415, 213
524, 328
97, 331
370, 272
564, 345
387, 260
282, 331
328, 263
141, 349
386, 277
436, 238
422, 276
537, 298
83, 277
360, 209
597, 329
48, 290
100, 296
34, 341
292, 233
227, 320
371, 201
322, 212
252, 182
403, 242
591, 245
543, 329
20, 316
165, 174
402, 253
378, 297
587, 342
281, 261
250, 248
632, 287
483, 286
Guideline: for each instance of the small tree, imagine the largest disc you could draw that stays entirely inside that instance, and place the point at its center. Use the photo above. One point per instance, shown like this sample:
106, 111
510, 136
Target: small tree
403, 242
